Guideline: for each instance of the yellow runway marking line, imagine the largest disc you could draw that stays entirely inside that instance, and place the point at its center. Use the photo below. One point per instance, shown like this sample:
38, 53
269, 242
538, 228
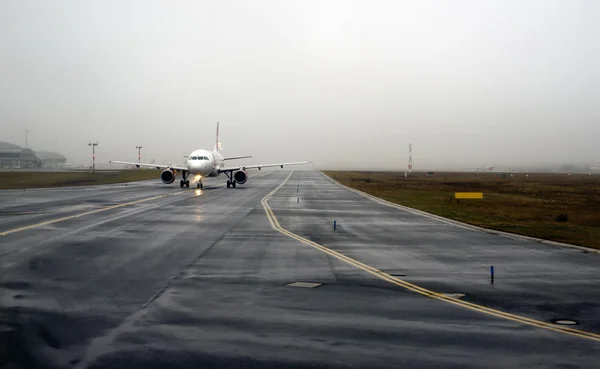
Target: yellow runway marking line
4, 233
413, 287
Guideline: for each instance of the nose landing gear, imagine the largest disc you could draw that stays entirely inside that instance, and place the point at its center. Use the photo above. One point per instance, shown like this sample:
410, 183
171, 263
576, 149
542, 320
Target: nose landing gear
200, 186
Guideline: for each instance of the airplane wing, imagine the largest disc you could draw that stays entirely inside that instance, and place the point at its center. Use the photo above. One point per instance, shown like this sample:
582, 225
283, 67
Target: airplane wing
237, 157
259, 166
157, 166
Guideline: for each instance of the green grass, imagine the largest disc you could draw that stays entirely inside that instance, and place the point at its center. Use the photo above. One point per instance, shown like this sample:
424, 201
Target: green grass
523, 205
24, 179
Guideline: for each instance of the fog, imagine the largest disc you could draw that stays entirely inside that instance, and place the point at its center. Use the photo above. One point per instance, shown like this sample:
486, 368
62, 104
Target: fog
347, 84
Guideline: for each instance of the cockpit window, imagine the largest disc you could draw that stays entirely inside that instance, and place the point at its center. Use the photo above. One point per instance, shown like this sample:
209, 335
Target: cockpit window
194, 158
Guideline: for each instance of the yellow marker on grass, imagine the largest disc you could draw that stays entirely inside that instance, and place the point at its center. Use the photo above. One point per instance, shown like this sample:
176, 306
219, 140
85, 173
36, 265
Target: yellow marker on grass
468, 195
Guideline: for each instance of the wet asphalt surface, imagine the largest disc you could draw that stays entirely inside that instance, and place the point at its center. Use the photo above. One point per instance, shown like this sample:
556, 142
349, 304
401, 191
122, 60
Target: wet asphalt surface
197, 279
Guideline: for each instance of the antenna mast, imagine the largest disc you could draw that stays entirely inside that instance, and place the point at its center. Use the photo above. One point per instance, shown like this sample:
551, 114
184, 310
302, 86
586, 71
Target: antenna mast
409, 158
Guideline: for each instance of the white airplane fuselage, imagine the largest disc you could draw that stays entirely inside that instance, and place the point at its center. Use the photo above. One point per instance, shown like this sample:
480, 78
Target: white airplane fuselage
204, 163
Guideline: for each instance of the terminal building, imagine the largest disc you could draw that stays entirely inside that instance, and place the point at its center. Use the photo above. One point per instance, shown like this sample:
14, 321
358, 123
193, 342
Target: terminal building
51, 160
17, 157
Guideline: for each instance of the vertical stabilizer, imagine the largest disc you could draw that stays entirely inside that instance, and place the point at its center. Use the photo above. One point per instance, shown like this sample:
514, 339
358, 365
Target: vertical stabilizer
217, 145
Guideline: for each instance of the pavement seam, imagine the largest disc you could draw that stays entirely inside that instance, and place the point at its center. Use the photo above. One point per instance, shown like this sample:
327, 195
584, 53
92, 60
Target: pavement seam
174, 278
413, 287
330, 262
459, 224
200, 256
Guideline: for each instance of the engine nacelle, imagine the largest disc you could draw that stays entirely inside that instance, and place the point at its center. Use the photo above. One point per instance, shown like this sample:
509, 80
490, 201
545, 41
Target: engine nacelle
167, 176
240, 176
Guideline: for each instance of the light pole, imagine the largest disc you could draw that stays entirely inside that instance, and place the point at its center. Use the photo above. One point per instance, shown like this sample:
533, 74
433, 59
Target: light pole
26, 138
93, 145
139, 148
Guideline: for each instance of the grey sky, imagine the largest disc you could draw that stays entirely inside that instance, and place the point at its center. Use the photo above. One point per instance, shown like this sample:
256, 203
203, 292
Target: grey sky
346, 84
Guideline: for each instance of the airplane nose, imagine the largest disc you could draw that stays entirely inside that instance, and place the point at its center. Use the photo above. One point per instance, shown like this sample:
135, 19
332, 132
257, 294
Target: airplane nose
194, 167
200, 168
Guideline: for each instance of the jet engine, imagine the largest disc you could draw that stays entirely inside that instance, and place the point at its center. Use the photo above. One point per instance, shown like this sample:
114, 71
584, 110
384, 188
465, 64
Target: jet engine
240, 176
167, 176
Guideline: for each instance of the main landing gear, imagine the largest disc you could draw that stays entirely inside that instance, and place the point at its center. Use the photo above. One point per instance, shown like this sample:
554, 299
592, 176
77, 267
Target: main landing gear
230, 181
184, 182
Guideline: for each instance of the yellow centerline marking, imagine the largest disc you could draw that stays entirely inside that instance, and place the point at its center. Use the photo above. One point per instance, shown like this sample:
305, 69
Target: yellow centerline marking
413, 287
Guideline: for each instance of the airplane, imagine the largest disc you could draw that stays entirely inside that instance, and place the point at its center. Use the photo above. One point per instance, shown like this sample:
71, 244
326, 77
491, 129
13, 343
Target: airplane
204, 163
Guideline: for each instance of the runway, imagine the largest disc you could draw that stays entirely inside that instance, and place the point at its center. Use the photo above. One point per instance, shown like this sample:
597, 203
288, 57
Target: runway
153, 276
